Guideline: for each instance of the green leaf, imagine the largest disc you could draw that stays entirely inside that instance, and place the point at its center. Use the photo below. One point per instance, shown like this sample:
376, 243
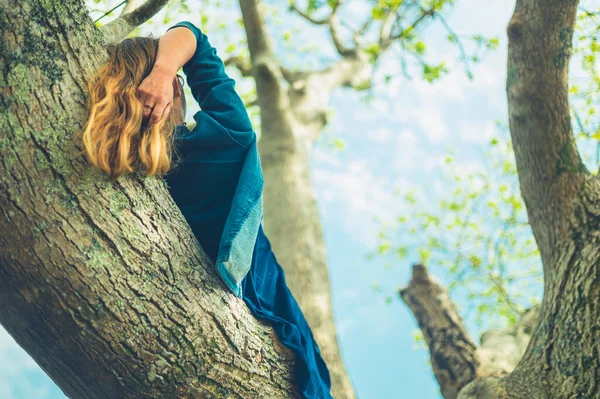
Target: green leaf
338, 143
383, 248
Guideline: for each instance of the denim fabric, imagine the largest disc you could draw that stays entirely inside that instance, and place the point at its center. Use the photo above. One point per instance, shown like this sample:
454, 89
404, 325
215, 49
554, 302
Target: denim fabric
218, 186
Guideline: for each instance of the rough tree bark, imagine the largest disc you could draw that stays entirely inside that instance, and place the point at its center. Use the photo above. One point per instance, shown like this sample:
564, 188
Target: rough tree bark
104, 285
456, 360
563, 204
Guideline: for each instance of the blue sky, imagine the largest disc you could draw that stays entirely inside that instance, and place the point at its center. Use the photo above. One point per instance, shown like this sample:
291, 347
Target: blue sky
397, 141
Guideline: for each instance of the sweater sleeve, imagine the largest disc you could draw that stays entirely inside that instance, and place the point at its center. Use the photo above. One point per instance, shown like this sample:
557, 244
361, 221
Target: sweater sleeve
222, 110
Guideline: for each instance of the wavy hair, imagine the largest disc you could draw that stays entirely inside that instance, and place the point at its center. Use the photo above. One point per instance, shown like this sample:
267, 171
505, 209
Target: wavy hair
115, 137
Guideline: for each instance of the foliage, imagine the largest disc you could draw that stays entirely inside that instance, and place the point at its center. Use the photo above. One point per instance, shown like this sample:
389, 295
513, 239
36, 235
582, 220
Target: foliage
585, 84
476, 236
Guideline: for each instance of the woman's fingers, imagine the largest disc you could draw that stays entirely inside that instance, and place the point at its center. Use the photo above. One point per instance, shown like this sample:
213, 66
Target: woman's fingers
156, 94
147, 111
167, 110
157, 111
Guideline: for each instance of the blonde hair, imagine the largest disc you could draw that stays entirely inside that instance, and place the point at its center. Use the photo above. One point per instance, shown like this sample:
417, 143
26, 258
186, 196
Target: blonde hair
115, 137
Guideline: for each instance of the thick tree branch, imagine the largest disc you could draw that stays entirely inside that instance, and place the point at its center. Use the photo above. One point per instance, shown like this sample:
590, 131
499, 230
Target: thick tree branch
118, 29
238, 62
550, 169
455, 358
334, 31
273, 102
453, 353
259, 41
501, 350
104, 283
129, 7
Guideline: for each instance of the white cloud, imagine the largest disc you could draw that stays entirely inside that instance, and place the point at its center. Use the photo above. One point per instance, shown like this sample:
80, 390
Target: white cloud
407, 152
358, 195
380, 135
477, 132
358, 9
431, 121
449, 87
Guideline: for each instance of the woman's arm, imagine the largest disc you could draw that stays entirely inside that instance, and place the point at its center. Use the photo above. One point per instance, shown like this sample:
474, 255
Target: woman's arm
223, 112
223, 120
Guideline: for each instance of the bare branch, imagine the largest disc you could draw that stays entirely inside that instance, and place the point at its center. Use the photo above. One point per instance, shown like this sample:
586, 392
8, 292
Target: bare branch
453, 353
334, 29
358, 35
308, 17
457, 362
129, 7
290, 75
109, 11
385, 31
332, 21
251, 103
118, 29
237, 61
386, 39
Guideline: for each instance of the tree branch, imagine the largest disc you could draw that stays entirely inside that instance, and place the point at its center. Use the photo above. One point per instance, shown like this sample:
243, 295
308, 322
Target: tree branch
453, 353
308, 17
129, 7
385, 32
386, 37
238, 62
273, 103
334, 31
333, 23
551, 173
118, 29
259, 41
458, 364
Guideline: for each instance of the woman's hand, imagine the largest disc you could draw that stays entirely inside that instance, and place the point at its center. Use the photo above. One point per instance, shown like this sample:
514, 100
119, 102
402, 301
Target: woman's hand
156, 94
175, 48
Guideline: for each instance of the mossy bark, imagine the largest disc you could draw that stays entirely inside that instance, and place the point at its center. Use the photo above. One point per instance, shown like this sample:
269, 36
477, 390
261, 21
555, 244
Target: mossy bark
104, 284
563, 205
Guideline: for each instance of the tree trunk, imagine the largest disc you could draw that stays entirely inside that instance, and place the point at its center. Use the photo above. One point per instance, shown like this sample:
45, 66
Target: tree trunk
563, 204
291, 220
103, 284
562, 200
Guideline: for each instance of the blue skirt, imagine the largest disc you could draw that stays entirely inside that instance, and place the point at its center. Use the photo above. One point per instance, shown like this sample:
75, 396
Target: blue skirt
267, 295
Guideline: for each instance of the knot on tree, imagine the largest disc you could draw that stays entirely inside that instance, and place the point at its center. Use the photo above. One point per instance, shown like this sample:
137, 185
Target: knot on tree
514, 29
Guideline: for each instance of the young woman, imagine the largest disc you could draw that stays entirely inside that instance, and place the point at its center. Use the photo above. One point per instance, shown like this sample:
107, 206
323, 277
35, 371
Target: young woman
213, 171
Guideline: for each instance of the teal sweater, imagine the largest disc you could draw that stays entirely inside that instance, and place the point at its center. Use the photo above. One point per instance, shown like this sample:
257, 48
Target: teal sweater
219, 186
